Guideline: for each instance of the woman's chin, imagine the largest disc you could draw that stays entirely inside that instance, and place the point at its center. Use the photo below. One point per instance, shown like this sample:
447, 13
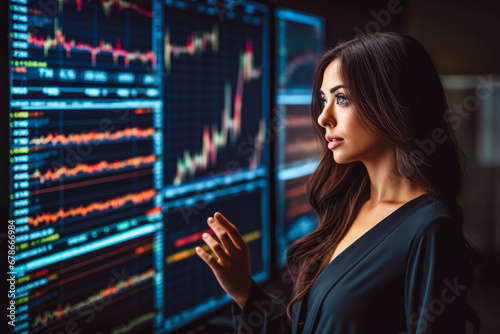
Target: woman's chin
338, 159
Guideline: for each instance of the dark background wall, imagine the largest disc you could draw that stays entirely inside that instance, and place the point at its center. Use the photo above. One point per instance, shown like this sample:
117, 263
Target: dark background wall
459, 34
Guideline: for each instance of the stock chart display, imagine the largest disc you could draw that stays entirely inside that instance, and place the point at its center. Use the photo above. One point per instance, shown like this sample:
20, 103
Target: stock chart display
299, 38
215, 88
131, 122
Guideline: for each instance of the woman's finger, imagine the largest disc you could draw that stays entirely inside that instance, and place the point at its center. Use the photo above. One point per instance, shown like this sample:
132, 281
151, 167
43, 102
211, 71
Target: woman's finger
231, 229
216, 247
212, 263
222, 234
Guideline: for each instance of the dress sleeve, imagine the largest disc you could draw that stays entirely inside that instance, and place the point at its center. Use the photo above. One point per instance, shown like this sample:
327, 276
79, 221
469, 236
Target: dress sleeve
262, 313
437, 280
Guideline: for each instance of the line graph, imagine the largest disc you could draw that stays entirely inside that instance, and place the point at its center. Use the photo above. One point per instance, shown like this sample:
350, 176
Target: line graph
88, 169
60, 35
126, 328
110, 290
82, 210
56, 139
107, 5
47, 43
196, 43
93, 181
308, 57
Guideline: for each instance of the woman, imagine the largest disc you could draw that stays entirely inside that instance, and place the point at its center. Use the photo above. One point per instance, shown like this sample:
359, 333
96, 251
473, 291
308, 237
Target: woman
389, 255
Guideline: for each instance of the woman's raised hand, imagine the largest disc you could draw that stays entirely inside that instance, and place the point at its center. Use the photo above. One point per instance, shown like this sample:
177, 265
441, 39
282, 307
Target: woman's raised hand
232, 268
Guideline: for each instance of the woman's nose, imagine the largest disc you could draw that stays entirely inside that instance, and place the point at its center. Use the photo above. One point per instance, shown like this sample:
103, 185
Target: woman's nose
325, 119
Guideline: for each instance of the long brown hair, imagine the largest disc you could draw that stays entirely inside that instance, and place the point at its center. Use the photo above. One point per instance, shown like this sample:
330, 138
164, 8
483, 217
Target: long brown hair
396, 92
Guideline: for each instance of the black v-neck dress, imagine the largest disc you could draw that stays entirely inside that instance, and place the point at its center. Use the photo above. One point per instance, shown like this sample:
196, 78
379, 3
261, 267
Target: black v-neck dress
407, 274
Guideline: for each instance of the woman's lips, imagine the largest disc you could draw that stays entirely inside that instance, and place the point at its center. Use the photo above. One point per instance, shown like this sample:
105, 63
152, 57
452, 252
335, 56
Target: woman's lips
334, 143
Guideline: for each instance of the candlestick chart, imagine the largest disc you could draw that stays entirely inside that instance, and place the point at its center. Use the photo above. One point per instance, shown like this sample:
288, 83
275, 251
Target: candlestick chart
205, 115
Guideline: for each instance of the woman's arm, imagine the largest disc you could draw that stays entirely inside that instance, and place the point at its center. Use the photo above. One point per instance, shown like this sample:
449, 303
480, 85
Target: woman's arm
263, 313
437, 280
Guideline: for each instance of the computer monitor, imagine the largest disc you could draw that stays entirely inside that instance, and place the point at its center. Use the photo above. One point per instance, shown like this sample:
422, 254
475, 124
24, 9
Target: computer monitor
131, 122
216, 92
299, 38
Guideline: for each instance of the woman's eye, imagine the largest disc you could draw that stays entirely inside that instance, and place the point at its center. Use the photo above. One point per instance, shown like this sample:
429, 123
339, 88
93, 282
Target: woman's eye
342, 99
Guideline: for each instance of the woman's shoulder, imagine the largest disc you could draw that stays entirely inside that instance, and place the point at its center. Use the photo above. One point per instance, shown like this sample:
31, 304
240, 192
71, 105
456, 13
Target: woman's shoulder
432, 211
435, 220
432, 217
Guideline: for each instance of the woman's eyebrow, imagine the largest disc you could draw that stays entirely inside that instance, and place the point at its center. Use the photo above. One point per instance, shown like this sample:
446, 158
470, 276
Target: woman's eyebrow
333, 89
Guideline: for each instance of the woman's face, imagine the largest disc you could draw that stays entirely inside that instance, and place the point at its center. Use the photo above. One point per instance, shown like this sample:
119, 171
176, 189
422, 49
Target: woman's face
338, 120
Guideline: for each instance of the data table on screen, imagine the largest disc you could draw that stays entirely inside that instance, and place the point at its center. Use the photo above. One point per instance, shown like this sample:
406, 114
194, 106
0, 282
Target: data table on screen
123, 116
86, 122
